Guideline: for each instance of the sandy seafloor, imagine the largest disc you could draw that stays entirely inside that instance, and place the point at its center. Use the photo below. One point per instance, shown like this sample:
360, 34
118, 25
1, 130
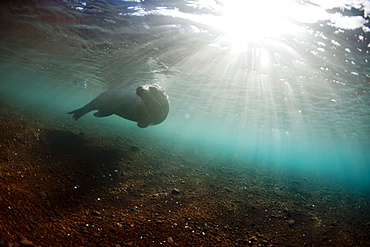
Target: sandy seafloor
65, 185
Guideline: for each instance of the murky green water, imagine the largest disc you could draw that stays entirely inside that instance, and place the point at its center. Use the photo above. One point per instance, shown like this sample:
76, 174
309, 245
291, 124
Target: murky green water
281, 83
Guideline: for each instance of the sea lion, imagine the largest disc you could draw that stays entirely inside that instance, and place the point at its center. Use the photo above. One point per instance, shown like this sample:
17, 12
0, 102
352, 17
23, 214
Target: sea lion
146, 105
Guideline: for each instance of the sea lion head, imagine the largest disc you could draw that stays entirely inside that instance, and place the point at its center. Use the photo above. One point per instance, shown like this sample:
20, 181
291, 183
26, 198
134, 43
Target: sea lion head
156, 102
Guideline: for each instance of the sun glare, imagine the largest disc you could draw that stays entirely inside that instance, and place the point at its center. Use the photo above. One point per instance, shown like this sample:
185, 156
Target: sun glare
253, 20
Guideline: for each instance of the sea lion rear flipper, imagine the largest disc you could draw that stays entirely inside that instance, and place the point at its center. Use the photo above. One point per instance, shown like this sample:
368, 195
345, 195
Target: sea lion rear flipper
79, 112
142, 125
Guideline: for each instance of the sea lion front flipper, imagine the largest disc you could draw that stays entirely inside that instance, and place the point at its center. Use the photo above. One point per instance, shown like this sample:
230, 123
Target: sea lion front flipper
102, 113
142, 125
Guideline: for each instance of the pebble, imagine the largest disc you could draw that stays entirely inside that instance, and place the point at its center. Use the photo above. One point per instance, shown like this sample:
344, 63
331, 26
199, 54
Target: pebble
95, 213
290, 222
228, 190
25, 242
43, 195
175, 191
134, 148
133, 209
252, 239
169, 240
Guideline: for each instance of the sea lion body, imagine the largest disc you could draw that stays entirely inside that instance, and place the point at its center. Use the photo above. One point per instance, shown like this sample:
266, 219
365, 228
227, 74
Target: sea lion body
146, 105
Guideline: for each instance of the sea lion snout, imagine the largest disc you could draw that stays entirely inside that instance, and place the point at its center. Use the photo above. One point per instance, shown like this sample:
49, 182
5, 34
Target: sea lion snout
153, 94
156, 101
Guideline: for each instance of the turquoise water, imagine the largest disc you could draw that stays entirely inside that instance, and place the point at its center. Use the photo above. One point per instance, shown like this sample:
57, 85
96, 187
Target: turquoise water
280, 84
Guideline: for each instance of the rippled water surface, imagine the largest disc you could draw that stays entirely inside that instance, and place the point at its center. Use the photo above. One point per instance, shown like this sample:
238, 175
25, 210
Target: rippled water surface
284, 83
